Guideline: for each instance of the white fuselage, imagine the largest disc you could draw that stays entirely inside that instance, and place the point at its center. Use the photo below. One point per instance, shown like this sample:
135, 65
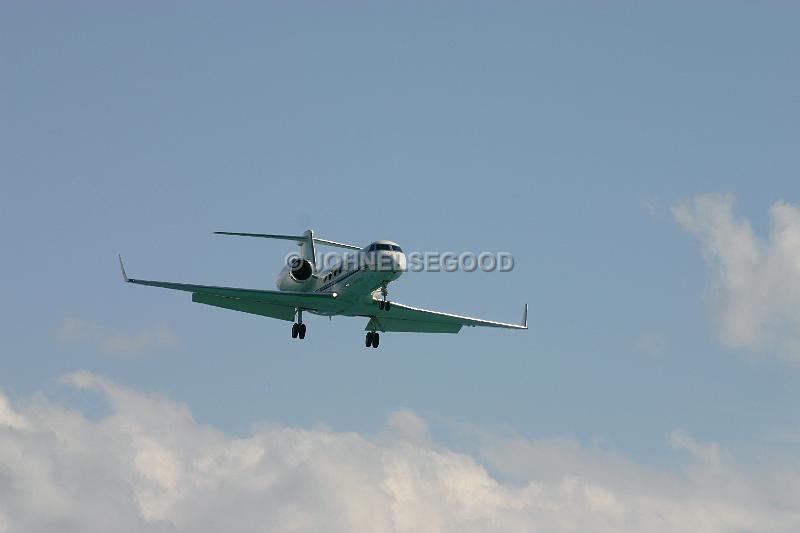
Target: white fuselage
356, 279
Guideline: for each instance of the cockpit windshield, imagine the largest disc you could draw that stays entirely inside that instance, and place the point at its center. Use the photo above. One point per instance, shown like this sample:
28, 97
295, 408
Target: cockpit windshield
379, 246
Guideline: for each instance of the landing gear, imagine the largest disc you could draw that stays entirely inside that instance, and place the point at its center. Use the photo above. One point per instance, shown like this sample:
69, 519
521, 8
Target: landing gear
384, 304
373, 339
298, 328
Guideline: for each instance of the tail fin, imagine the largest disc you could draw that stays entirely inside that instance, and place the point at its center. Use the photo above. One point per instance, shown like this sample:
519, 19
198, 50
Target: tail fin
307, 250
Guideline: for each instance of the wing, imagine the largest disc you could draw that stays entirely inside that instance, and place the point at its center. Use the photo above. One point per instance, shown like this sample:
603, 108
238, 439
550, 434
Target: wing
274, 304
411, 319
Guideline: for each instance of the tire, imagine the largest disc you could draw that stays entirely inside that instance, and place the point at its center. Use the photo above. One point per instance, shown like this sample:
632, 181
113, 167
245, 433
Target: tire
380, 305
388, 305
295, 330
376, 340
302, 332
368, 342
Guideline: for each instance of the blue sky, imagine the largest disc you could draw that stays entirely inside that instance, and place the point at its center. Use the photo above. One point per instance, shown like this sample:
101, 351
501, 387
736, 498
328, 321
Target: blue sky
567, 135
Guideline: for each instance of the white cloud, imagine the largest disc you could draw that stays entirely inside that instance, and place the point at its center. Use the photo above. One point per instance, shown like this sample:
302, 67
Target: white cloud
755, 282
149, 466
706, 452
75, 330
406, 424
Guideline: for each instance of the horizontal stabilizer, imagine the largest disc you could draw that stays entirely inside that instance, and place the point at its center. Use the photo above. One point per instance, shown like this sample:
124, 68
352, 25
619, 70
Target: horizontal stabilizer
337, 244
297, 238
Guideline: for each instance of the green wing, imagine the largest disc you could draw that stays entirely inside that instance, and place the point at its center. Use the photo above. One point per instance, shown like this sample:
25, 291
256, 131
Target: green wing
274, 304
412, 319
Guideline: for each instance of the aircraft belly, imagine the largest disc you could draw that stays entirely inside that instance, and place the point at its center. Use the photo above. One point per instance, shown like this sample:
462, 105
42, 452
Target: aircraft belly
354, 291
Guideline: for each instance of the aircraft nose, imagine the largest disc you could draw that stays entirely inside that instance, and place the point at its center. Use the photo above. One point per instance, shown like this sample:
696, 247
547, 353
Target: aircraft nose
392, 260
400, 261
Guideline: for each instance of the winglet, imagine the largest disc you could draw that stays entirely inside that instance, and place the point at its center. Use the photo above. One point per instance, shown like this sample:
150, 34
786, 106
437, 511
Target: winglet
122, 267
525, 317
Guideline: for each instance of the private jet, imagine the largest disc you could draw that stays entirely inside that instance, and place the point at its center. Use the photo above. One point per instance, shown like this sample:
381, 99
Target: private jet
356, 287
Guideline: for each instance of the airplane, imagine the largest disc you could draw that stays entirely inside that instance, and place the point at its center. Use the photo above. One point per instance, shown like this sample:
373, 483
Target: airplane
355, 288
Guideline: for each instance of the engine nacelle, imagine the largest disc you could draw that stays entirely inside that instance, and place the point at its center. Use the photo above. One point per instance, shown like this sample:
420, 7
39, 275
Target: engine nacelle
296, 275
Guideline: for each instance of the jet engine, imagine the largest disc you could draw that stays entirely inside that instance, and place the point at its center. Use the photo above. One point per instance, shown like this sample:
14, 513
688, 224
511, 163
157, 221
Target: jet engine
296, 275
300, 269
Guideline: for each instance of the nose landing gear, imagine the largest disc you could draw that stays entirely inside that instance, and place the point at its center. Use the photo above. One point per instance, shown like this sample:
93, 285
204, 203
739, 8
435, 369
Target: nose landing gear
384, 304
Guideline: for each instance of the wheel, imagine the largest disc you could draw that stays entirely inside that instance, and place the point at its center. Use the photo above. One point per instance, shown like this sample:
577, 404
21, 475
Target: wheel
302, 332
295, 330
388, 305
380, 305
376, 339
368, 342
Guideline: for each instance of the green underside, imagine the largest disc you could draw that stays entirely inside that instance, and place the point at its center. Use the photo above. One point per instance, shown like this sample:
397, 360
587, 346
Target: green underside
414, 326
280, 312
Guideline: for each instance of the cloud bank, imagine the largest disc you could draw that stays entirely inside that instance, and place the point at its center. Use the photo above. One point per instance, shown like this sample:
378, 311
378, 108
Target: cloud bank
755, 287
150, 467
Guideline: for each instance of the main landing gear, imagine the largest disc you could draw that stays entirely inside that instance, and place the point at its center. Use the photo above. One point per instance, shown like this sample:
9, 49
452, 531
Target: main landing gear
373, 339
298, 328
384, 304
